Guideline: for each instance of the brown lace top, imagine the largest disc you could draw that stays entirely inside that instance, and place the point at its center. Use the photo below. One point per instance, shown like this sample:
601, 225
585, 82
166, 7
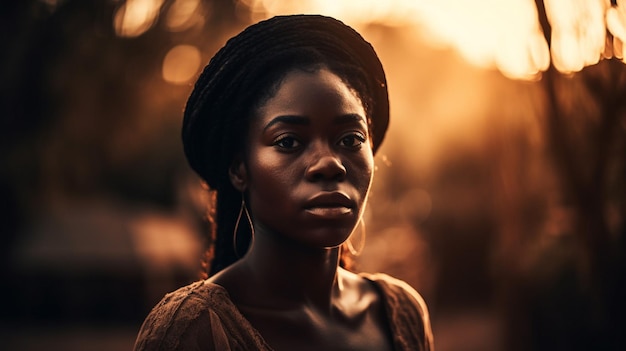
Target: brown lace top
185, 317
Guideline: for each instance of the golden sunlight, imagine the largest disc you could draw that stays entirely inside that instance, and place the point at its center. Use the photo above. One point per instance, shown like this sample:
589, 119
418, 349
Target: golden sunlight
578, 32
616, 23
488, 33
135, 17
181, 64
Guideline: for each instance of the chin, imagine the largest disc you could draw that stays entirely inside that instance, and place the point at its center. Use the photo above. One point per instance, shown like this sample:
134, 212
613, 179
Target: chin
328, 238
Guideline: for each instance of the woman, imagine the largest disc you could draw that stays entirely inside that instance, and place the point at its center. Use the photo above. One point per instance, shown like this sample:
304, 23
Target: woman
283, 124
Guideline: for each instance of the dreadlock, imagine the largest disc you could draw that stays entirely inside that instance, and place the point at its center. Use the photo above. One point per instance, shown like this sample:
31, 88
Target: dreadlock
244, 74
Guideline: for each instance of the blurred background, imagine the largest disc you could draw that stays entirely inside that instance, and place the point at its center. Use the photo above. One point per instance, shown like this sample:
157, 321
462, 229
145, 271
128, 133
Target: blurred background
499, 194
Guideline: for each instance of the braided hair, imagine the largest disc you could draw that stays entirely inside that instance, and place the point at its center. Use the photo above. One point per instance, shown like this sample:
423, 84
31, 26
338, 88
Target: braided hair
247, 72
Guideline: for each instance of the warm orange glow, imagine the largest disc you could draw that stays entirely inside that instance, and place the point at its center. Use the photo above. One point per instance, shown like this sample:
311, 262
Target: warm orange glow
181, 64
135, 17
164, 242
578, 32
488, 33
183, 14
616, 24
351, 11
522, 50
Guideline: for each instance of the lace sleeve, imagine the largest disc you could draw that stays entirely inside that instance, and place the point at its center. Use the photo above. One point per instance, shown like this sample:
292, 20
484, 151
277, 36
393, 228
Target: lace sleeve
407, 313
182, 321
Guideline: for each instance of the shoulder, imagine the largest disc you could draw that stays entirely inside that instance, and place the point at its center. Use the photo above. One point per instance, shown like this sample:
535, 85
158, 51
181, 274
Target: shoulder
177, 321
398, 290
406, 310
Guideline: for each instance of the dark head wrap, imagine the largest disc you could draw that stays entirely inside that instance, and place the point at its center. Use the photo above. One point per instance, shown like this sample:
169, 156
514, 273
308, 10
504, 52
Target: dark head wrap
214, 118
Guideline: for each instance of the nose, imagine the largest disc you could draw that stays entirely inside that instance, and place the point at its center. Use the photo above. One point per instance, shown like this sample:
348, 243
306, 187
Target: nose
325, 165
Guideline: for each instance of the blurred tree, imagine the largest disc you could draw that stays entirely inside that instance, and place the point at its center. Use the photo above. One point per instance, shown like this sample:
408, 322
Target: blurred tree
571, 295
87, 120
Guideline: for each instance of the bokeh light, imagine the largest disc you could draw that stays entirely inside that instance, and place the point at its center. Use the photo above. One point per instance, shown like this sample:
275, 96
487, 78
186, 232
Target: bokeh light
499, 191
184, 14
181, 64
135, 17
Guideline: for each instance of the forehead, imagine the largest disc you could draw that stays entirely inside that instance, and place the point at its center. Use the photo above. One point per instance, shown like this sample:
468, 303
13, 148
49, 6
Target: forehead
312, 93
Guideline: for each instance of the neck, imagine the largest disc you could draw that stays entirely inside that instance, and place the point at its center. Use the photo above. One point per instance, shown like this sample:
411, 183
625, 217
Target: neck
292, 275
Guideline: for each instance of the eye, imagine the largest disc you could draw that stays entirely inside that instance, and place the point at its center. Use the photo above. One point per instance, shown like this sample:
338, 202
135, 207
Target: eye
352, 140
287, 142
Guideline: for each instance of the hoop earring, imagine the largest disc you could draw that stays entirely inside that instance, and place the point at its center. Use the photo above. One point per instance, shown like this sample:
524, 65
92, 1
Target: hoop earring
351, 248
243, 208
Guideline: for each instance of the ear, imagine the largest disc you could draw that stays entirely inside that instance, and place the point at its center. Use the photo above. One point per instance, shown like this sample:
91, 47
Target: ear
238, 174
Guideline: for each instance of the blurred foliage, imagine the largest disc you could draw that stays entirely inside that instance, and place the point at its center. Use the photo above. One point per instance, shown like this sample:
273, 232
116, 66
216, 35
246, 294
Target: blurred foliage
87, 120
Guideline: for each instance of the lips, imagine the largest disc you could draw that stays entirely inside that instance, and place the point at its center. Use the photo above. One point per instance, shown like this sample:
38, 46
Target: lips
330, 205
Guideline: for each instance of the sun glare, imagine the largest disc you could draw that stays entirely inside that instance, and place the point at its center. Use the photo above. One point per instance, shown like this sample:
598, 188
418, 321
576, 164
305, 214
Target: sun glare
578, 32
616, 23
487, 33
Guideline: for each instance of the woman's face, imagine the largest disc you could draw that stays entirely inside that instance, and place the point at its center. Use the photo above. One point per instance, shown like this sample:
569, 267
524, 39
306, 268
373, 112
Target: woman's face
309, 162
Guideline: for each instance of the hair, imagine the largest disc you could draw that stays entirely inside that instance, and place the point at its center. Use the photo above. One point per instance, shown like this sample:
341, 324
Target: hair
240, 78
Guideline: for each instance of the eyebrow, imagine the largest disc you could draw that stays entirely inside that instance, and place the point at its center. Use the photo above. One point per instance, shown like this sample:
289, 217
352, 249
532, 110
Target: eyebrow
349, 118
288, 119
303, 120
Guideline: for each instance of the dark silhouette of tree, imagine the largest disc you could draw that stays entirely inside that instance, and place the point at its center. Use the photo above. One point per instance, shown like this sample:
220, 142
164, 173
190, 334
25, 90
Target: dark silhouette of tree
580, 305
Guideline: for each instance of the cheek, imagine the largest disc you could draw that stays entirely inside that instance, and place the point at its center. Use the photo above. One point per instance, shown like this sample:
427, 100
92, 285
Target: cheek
270, 178
363, 171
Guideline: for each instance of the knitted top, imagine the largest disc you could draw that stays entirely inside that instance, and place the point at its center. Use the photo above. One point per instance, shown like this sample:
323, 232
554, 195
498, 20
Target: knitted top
184, 318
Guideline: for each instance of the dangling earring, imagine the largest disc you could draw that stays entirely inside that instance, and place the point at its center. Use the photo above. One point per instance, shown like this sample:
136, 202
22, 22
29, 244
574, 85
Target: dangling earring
361, 242
243, 208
